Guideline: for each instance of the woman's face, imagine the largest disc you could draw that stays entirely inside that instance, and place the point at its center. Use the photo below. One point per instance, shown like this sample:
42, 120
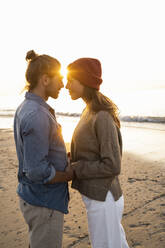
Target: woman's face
75, 88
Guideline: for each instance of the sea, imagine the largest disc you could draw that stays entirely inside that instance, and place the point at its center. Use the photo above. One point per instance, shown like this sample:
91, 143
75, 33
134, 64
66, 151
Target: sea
141, 109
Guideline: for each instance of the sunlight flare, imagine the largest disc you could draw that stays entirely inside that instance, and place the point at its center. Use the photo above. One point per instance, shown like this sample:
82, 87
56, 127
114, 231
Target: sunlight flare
64, 72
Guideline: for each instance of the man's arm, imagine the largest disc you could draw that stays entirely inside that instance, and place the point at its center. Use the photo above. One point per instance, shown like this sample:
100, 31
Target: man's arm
62, 176
37, 167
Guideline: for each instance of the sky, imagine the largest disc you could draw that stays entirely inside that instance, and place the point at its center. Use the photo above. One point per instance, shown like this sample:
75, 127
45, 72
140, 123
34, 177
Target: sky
127, 36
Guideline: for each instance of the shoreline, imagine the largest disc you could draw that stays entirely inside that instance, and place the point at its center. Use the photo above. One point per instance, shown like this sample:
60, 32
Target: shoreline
142, 181
128, 124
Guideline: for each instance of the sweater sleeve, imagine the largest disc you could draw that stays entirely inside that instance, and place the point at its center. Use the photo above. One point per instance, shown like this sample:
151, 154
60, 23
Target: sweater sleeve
109, 164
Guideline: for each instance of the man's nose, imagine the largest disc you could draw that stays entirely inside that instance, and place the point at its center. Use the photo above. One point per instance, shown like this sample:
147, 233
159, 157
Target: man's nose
62, 84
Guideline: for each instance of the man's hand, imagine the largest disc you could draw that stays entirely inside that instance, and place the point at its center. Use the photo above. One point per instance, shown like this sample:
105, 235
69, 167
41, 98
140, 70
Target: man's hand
70, 172
64, 176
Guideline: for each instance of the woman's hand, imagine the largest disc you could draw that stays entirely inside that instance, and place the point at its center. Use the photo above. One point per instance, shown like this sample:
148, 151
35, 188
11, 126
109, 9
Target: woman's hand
70, 172
69, 169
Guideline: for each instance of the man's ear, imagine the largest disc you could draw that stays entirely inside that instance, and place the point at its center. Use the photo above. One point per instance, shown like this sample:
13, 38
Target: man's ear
44, 79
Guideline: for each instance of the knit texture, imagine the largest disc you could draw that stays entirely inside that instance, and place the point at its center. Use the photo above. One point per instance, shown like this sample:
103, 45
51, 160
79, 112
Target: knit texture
96, 150
87, 70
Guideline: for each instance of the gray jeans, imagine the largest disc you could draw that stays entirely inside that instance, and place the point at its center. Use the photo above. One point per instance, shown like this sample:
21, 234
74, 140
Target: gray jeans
45, 225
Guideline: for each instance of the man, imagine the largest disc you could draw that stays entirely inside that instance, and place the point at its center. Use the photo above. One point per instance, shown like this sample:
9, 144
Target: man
42, 188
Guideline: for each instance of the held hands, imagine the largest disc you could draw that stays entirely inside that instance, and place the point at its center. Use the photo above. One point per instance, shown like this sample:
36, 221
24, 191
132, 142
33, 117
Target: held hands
69, 173
63, 176
69, 170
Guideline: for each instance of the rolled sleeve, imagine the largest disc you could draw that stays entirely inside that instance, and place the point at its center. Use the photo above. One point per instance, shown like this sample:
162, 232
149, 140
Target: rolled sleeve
35, 135
52, 175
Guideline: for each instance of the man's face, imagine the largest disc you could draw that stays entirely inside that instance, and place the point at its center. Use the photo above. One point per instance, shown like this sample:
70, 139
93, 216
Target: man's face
54, 86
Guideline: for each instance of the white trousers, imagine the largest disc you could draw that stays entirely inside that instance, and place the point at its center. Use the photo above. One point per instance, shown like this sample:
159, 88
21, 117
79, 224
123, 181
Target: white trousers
104, 222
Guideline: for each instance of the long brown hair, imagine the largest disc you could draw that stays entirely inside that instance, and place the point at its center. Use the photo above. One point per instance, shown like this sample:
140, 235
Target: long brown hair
96, 102
37, 66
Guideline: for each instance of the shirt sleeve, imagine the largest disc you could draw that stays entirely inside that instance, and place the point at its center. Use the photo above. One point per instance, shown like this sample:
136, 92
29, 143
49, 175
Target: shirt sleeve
109, 164
35, 135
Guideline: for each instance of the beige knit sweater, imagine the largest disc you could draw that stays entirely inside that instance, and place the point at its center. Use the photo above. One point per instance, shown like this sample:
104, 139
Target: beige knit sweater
96, 150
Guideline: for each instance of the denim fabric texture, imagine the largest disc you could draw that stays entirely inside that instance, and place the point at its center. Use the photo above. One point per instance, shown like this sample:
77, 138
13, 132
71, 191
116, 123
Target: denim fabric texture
41, 152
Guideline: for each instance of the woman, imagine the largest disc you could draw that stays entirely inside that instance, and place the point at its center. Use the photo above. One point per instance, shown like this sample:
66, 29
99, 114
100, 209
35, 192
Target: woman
96, 151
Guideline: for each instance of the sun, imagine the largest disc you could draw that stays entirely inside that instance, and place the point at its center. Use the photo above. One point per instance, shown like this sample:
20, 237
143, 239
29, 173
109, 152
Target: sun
64, 73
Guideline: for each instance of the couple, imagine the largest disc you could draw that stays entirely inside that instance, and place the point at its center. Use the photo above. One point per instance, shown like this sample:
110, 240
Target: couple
95, 158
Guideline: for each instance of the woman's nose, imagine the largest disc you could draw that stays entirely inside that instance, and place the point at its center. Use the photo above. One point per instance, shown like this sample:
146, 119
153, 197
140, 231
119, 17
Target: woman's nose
67, 86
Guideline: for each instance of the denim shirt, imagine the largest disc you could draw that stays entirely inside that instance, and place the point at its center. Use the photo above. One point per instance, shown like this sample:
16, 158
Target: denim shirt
40, 151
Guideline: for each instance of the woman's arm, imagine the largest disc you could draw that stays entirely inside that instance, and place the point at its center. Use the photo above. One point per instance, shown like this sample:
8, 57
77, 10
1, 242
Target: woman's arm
109, 164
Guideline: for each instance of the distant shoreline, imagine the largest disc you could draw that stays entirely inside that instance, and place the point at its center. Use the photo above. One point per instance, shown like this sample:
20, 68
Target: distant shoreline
150, 119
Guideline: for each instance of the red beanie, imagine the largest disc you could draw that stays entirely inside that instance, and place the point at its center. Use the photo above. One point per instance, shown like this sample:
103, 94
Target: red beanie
87, 71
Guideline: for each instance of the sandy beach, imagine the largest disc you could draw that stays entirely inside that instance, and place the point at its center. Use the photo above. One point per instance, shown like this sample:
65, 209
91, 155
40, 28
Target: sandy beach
143, 184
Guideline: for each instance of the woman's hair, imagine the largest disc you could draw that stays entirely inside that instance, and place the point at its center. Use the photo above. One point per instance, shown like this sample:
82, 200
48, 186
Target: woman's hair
96, 102
37, 66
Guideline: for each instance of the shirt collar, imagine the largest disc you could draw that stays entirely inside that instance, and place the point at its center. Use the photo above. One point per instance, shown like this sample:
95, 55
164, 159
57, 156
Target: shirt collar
40, 100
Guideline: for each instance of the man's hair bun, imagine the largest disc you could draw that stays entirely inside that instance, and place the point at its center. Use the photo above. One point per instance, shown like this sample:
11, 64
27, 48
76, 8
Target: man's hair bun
31, 55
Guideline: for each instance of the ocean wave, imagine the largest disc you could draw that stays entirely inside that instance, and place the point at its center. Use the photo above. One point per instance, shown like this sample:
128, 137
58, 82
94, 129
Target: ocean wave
68, 114
152, 119
7, 113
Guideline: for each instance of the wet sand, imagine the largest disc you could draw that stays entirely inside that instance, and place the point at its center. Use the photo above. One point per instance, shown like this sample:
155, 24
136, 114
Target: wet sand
143, 184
